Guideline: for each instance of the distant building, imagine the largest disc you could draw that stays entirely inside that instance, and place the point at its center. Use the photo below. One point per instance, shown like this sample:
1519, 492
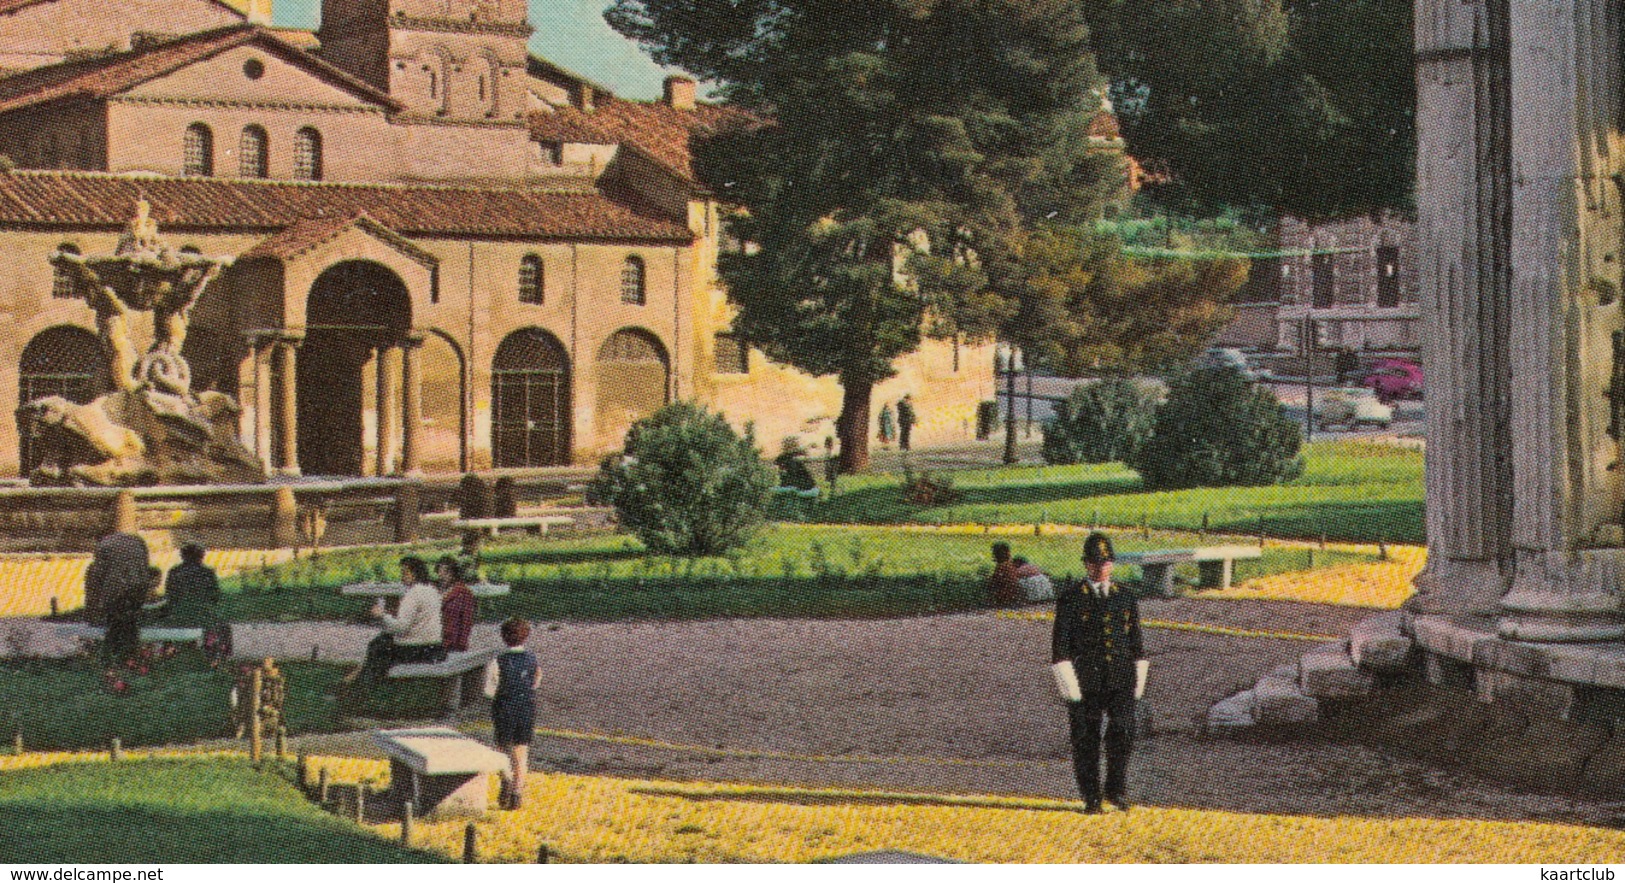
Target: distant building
1355, 278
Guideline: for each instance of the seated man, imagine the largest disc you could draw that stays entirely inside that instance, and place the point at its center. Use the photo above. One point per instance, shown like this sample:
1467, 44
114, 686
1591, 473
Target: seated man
1002, 587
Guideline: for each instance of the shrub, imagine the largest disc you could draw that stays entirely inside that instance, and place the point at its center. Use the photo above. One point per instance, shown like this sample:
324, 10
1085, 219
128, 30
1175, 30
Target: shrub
687, 484
928, 489
1100, 423
1215, 430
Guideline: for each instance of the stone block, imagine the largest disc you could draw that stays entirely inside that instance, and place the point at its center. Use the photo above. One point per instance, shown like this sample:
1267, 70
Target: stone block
1535, 698
1232, 714
1278, 701
1443, 671
1328, 673
1378, 643
1512, 657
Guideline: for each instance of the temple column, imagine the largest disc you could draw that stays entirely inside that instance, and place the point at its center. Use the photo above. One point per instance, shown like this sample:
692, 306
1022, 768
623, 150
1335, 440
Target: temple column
1464, 229
287, 357
412, 383
1566, 299
388, 390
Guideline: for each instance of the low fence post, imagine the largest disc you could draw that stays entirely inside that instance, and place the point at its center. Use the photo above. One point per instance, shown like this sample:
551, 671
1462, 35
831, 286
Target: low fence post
543, 854
408, 817
321, 786
281, 742
17, 744
360, 802
115, 751
256, 739
470, 847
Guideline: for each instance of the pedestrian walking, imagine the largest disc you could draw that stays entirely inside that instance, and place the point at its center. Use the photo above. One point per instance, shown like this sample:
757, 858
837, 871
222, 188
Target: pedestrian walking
511, 681
888, 425
1100, 669
906, 418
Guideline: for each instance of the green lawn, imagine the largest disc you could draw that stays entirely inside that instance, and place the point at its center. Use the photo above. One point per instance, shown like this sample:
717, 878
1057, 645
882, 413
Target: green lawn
65, 703
1353, 491
789, 570
174, 812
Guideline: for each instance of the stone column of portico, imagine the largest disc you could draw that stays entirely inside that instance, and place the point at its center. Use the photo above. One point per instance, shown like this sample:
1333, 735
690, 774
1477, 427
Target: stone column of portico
260, 349
412, 381
388, 392
287, 358
1464, 228
1566, 301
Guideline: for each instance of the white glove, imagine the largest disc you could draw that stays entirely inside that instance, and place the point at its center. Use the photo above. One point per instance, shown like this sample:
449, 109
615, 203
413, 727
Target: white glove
1142, 670
1066, 681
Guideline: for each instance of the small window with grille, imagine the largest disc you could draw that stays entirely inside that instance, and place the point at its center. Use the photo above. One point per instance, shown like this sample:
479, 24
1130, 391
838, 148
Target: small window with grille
255, 153
733, 355
634, 282
307, 155
199, 151
532, 280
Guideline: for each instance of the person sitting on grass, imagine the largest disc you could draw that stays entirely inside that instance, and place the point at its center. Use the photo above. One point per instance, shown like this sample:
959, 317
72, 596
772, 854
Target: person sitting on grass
412, 634
1003, 589
1035, 584
511, 681
458, 606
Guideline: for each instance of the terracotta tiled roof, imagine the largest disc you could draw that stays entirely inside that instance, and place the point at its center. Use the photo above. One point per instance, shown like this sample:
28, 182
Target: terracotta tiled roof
91, 199
308, 233
657, 129
109, 75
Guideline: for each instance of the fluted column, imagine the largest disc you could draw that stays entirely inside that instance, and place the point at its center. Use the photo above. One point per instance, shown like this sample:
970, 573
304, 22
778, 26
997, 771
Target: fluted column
1464, 230
412, 399
1566, 300
388, 392
287, 358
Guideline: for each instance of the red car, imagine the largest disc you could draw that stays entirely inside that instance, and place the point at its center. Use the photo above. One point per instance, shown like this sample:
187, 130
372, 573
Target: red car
1394, 379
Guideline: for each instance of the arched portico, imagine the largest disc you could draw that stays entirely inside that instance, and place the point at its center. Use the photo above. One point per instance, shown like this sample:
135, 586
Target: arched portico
358, 315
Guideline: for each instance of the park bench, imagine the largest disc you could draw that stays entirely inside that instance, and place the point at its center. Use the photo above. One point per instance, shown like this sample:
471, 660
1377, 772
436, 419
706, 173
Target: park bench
395, 590
537, 523
149, 634
443, 772
463, 673
1216, 563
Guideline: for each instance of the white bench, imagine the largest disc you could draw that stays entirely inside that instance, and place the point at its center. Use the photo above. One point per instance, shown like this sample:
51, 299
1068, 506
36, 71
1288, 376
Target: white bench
395, 590
463, 672
149, 634
538, 523
1217, 565
443, 772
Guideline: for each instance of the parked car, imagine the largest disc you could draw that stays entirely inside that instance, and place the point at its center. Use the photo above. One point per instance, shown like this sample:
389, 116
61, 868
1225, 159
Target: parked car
1394, 379
1227, 357
1352, 407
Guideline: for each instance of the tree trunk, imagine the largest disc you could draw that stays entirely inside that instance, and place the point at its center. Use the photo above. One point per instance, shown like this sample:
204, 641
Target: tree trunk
852, 427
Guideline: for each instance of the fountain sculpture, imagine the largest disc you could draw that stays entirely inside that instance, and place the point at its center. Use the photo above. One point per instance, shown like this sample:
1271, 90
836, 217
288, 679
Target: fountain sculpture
151, 429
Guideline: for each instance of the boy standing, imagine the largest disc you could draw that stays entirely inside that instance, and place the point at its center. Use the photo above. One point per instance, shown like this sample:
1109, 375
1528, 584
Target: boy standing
511, 681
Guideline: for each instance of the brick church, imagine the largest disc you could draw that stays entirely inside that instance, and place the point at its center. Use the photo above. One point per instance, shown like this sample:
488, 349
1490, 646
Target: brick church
448, 254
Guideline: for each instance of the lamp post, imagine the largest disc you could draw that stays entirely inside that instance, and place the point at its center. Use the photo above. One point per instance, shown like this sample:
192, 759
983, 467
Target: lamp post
1008, 361
1306, 336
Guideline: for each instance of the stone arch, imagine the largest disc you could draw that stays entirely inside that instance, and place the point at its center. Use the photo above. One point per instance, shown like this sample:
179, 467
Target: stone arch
355, 310
445, 403
530, 401
634, 381
63, 360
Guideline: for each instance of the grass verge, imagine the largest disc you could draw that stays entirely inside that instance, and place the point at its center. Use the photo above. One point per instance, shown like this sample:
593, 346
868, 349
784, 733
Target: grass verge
174, 811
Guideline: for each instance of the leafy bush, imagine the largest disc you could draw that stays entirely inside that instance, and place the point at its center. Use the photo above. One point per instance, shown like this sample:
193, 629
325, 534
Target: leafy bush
1102, 422
928, 489
1218, 430
687, 483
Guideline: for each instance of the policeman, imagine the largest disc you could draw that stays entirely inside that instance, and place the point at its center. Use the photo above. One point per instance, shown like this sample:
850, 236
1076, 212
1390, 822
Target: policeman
1100, 669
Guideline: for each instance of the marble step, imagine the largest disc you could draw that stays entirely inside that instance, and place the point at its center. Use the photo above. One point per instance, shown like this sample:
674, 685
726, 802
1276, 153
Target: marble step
1328, 672
1378, 643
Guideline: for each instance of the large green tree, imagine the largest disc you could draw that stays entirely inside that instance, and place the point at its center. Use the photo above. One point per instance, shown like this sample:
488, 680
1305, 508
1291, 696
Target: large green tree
899, 151
1303, 106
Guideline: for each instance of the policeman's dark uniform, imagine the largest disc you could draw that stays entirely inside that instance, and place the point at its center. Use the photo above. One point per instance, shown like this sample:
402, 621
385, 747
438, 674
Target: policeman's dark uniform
1100, 634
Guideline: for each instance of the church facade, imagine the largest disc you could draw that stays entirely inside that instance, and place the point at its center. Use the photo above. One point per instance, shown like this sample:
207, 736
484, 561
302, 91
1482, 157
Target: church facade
446, 254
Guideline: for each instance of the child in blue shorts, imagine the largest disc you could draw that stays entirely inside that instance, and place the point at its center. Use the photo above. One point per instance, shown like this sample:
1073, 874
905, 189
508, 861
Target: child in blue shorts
511, 681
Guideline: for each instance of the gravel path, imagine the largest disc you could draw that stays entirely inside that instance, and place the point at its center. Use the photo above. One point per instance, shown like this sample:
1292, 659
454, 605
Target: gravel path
958, 703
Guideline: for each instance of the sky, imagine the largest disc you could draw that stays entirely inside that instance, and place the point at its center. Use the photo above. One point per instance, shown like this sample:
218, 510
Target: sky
569, 33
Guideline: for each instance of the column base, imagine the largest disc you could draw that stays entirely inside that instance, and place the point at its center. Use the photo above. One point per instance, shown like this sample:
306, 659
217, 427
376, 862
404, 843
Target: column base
1546, 617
